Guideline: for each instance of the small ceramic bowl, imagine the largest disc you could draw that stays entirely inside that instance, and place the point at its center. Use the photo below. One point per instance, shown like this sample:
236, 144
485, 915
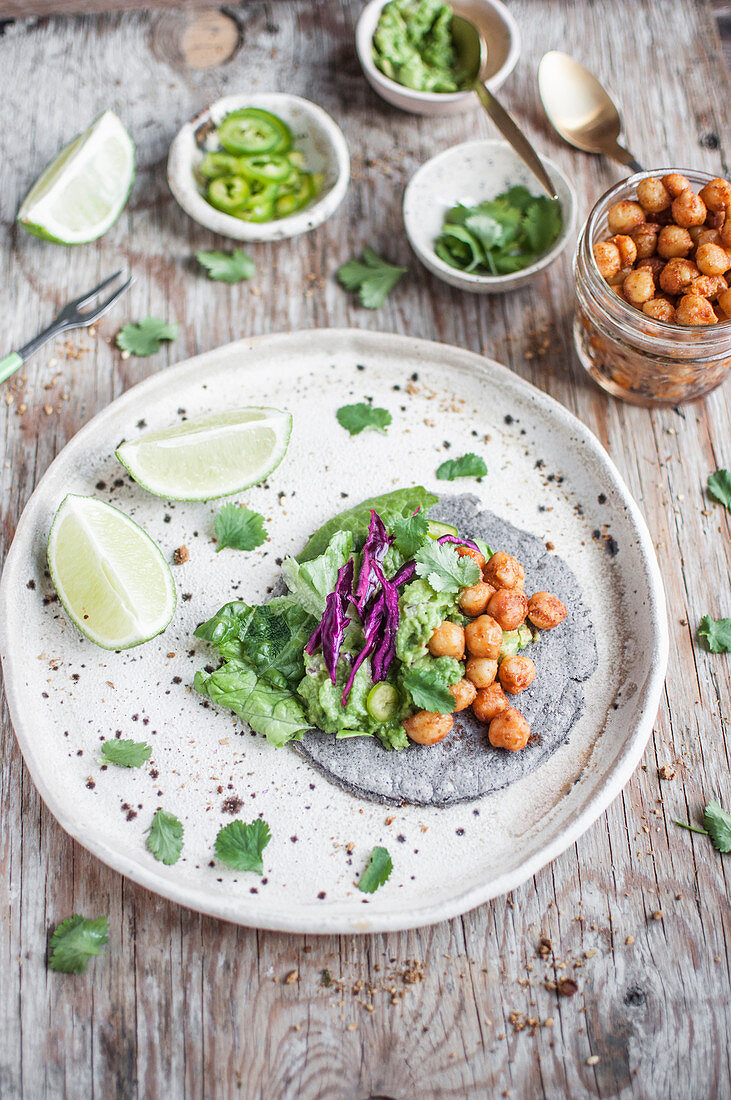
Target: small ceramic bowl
503, 45
470, 173
315, 134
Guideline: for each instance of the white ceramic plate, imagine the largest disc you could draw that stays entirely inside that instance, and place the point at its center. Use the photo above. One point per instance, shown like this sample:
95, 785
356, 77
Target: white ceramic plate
65, 694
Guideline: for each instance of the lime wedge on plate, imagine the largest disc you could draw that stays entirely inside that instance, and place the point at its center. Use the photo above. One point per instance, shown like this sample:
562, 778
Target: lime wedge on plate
212, 456
110, 576
83, 192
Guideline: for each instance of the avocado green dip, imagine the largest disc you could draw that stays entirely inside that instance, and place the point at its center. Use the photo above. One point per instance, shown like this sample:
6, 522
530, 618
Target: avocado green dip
412, 45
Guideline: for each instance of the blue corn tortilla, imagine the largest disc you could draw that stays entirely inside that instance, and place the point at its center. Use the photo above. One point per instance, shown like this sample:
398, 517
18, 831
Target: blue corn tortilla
465, 766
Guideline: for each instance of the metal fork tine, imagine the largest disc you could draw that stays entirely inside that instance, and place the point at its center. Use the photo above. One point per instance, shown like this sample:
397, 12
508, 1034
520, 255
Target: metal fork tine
84, 299
98, 311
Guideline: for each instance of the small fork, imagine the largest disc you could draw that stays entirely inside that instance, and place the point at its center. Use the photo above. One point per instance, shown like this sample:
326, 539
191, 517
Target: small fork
71, 316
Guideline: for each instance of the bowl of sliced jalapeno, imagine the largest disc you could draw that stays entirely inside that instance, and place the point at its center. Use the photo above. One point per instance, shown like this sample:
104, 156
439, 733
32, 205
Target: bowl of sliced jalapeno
260, 167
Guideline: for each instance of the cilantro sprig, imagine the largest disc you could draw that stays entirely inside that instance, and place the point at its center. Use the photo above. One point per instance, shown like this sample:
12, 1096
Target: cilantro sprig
716, 825
227, 267
717, 633
145, 337
356, 418
373, 277
126, 753
377, 872
719, 486
76, 940
428, 691
240, 846
409, 532
165, 837
239, 528
444, 569
469, 465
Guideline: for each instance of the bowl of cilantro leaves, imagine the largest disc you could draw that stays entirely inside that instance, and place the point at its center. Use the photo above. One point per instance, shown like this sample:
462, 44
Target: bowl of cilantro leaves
476, 218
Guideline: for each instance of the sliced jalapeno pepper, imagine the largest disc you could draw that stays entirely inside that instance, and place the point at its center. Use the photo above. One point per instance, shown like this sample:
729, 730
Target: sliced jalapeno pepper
270, 167
252, 130
219, 164
228, 193
257, 210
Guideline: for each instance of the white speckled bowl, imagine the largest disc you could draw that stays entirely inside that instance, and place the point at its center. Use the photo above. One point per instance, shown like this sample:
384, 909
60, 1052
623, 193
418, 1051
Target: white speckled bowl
316, 135
503, 41
470, 173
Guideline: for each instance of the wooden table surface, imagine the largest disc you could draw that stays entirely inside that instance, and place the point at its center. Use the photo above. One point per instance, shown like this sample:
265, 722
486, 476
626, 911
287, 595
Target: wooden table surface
637, 911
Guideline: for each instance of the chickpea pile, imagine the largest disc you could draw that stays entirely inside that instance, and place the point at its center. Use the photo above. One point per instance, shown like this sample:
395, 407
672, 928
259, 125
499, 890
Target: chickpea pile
498, 602
670, 251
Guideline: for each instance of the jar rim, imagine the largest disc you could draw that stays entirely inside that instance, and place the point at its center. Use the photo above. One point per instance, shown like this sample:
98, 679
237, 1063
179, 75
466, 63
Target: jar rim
612, 304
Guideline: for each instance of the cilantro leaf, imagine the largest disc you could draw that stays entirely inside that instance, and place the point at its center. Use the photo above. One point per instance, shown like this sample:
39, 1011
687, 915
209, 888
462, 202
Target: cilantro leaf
445, 570
428, 691
409, 532
542, 223
75, 941
718, 825
469, 465
144, 337
356, 418
717, 633
719, 486
165, 837
238, 527
377, 872
240, 845
126, 753
227, 267
371, 276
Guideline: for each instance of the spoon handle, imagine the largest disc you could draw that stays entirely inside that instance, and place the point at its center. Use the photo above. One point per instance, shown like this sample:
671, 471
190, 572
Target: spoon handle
514, 136
623, 156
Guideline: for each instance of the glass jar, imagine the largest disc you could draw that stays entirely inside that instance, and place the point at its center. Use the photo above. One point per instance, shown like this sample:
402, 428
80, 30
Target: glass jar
629, 354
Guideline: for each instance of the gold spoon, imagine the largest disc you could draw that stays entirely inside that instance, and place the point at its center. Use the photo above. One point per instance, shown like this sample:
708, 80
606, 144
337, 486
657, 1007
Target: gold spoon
580, 109
471, 49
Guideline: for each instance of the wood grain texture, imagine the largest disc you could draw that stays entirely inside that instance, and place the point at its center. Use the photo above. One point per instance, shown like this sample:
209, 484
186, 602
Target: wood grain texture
184, 1006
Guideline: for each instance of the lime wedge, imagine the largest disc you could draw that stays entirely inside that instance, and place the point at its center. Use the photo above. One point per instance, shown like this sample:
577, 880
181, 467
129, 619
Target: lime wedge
84, 190
212, 456
110, 576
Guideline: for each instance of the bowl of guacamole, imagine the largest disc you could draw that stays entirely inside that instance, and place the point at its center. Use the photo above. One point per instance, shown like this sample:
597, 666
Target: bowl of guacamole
406, 52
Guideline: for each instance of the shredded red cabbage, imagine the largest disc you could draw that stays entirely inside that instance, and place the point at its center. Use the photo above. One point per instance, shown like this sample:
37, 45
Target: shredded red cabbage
459, 542
331, 630
385, 650
406, 573
374, 551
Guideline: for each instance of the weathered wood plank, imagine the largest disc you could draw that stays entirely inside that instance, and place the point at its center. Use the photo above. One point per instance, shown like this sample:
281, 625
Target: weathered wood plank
184, 1006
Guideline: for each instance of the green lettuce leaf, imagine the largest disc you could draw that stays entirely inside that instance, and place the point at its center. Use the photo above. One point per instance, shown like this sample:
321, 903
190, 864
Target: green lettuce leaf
268, 708
400, 502
310, 581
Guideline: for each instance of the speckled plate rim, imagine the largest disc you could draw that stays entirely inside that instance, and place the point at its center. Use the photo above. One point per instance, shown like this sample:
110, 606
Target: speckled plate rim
410, 917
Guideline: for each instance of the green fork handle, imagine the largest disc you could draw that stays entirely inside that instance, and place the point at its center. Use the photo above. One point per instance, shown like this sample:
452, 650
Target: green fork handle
9, 365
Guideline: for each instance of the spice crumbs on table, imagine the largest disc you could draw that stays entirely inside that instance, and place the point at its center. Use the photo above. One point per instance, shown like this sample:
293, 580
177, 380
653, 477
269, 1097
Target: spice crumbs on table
658, 914
592, 1060
629, 940
181, 555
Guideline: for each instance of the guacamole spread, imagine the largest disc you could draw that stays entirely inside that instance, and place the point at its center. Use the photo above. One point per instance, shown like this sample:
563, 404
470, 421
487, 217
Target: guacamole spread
413, 45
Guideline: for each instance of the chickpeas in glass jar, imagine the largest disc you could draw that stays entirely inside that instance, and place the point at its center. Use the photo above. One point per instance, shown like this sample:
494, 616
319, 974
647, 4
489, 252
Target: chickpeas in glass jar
652, 323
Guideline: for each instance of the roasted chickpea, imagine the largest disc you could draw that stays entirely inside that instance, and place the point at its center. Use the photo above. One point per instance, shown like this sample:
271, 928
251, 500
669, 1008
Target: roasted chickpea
655, 264
673, 241
516, 673
725, 232
469, 552
675, 184
489, 702
509, 730
689, 209
447, 641
427, 728
481, 671
504, 571
660, 309
473, 600
623, 216
708, 286
639, 287
653, 195
508, 607
694, 310
483, 637
701, 234
724, 301
627, 249
546, 610
677, 275
711, 259
607, 259
645, 238
464, 692
717, 195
